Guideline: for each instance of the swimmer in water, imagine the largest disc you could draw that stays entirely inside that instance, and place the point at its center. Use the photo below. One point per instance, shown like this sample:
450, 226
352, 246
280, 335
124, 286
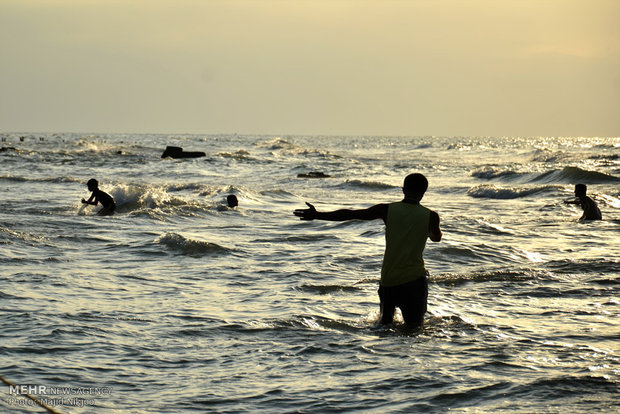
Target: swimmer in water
590, 209
99, 196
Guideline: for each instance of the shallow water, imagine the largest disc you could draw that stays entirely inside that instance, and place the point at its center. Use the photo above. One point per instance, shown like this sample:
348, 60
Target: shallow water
179, 304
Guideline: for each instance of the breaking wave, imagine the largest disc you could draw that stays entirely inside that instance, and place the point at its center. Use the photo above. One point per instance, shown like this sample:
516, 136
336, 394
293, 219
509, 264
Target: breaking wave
190, 247
503, 193
140, 198
573, 175
133, 197
370, 185
489, 173
567, 175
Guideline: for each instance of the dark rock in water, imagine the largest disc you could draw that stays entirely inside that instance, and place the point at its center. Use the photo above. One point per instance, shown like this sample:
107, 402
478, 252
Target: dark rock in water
313, 174
4, 149
177, 152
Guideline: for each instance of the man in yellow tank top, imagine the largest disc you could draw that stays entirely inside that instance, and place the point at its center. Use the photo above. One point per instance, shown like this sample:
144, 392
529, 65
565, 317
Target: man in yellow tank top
408, 224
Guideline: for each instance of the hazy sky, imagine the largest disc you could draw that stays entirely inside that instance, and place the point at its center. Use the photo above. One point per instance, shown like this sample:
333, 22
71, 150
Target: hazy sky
341, 67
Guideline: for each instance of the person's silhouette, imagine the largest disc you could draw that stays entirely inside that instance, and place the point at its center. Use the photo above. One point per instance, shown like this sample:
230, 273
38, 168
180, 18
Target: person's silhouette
408, 224
590, 209
99, 196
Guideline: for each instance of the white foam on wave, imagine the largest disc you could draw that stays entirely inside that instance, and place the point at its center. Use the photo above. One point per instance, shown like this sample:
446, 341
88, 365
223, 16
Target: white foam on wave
609, 200
82, 210
136, 196
504, 193
489, 172
94, 144
372, 185
575, 175
131, 198
188, 246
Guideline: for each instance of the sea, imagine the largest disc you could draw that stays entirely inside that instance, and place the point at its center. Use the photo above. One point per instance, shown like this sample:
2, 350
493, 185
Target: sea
180, 304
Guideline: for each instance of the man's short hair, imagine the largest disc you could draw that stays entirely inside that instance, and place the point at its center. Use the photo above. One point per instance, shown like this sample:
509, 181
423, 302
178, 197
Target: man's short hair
415, 183
581, 188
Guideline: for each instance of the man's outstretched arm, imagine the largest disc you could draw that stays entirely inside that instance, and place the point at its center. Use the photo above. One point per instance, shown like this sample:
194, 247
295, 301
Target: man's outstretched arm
378, 211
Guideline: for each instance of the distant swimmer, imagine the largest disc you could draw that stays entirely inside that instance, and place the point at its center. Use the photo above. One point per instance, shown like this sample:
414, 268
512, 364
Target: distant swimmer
404, 281
99, 196
232, 201
590, 209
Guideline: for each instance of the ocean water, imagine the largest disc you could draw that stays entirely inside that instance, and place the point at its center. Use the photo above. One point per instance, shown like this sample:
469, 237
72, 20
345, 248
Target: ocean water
177, 304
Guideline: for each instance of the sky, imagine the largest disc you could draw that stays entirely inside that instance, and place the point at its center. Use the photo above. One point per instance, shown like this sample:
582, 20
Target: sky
300, 67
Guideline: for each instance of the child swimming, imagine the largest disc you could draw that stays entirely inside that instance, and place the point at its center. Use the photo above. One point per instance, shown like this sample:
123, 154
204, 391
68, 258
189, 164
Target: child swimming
99, 196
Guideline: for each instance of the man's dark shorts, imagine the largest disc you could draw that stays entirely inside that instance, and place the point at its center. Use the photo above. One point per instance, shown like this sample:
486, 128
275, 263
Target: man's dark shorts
410, 297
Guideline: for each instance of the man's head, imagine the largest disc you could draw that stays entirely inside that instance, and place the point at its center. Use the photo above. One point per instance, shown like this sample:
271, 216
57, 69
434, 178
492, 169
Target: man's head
415, 186
580, 190
92, 184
